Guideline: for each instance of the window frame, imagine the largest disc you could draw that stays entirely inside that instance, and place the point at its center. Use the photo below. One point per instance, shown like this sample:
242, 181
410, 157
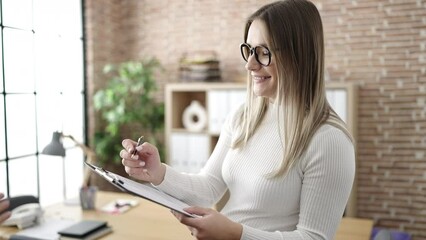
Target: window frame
73, 153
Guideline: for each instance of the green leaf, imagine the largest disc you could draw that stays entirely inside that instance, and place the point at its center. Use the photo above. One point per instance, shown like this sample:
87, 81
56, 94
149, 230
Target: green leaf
126, 103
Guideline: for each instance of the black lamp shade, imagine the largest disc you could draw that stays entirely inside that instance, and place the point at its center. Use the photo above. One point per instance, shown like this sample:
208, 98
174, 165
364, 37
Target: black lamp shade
55, 147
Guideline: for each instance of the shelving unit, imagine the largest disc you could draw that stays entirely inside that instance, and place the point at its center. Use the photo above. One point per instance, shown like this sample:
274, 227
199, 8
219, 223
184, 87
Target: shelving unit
213, 97
188, 150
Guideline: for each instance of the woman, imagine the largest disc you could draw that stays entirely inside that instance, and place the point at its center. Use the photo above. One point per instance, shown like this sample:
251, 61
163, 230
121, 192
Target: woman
4, 205
285, 156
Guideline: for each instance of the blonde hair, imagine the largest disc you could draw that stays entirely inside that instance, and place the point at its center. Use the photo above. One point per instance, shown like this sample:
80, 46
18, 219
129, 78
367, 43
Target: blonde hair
297, 44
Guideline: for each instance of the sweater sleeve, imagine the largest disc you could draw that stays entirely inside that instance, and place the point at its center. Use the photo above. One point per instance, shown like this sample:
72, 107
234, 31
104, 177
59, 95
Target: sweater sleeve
206, 187
328, 170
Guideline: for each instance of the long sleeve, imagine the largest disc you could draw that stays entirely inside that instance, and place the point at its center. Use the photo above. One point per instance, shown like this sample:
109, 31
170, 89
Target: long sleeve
208, 186
307, 203
327, 172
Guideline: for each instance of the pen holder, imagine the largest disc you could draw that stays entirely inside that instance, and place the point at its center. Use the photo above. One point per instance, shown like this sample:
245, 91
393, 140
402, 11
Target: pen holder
88, 197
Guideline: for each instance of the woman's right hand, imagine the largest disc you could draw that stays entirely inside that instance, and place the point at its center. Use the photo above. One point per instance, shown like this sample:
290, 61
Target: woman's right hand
145, 165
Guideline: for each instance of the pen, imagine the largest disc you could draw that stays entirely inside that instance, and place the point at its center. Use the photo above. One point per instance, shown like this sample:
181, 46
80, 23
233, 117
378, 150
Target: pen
140, 142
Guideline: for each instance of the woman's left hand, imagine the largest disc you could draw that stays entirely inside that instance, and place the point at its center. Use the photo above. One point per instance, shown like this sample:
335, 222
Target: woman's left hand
211, 225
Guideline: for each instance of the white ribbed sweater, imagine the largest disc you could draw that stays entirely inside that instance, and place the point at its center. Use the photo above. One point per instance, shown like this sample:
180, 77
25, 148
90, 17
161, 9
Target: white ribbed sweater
308, 203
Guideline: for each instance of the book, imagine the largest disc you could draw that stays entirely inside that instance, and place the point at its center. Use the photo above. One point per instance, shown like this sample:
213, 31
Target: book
86, 230
95, 235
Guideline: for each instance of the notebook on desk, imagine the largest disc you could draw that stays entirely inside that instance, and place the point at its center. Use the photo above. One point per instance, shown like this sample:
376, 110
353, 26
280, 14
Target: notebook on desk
85, 230
146, 191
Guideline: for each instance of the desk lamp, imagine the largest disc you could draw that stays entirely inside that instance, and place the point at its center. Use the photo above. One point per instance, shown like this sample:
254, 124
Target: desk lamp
56, 148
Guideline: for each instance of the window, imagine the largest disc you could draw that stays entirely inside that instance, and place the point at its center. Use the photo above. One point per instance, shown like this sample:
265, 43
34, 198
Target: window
42, 91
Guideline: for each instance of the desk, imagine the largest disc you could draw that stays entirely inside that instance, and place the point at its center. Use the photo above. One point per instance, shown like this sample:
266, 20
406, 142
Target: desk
150, 221
145, 221
354, 229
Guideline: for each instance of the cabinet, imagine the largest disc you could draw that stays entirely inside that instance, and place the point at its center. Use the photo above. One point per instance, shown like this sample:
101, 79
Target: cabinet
188, 150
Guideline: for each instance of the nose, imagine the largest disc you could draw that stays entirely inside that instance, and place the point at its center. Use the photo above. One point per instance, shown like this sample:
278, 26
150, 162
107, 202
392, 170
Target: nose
252, 64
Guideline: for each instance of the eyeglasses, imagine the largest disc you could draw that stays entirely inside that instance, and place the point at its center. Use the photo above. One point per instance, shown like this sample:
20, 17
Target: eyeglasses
261, 53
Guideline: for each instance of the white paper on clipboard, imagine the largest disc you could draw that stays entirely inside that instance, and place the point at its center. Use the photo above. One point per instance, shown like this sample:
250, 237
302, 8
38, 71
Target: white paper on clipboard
146, 191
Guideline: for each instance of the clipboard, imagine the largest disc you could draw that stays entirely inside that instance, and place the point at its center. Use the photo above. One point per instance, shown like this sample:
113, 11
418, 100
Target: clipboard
143, 190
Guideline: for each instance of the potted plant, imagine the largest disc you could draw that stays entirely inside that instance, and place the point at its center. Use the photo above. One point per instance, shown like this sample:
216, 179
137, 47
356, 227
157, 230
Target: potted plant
128, 109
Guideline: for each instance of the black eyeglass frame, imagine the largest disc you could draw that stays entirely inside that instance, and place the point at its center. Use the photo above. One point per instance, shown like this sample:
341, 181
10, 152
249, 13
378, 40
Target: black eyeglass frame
253, 51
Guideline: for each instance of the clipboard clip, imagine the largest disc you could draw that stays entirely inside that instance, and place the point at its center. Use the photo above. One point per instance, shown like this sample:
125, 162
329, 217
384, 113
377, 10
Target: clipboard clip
104, 173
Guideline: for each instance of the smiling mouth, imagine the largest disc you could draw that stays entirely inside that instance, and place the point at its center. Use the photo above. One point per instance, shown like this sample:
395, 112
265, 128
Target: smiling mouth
259, 79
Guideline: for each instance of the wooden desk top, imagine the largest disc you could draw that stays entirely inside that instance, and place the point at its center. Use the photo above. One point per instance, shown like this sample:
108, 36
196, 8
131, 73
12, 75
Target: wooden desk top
354, 229
150, 221
147, 220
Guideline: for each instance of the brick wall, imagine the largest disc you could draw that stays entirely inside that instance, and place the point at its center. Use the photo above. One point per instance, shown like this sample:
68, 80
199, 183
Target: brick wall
379, 44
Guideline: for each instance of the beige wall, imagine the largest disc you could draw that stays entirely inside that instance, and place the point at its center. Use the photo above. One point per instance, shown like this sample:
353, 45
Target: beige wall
378, 44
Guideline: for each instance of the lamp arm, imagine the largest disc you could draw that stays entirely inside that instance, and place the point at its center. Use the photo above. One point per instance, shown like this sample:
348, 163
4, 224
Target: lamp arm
90, 155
